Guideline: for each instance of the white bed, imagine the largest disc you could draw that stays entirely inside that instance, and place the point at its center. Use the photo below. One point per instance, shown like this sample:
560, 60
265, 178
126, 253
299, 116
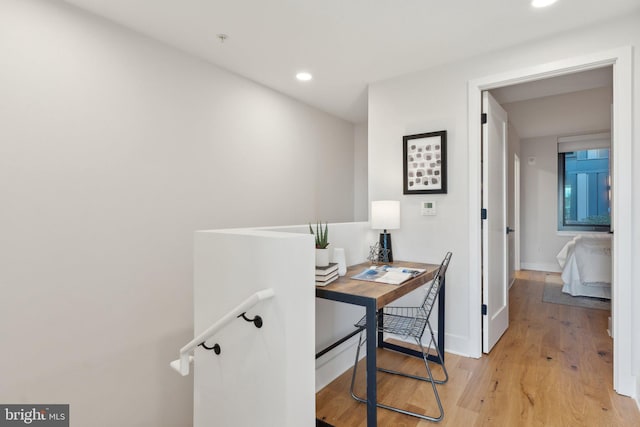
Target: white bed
586, 266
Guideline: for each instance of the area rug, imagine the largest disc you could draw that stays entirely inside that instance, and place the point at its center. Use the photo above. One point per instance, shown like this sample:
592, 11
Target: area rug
553, 294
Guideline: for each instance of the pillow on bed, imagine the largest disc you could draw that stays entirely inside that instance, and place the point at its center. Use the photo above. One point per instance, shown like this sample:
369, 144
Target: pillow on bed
565, 252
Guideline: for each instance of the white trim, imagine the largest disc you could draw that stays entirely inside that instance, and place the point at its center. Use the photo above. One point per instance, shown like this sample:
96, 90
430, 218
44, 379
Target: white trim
541, 266
516, 212
567, 144
568, 233
622, 137
602, 137
621, 59
333, 364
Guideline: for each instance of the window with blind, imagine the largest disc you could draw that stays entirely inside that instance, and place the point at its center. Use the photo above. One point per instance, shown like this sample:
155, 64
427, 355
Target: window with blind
584, 183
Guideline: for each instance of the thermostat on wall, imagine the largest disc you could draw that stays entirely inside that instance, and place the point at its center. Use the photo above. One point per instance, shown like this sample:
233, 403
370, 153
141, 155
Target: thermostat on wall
429, 208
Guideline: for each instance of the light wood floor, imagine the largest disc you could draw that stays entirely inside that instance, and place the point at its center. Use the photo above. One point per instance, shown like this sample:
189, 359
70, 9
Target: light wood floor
553, 367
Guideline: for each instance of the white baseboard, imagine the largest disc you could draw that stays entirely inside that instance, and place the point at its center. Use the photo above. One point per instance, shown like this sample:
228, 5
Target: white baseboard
455, 344
336, 362
551, 267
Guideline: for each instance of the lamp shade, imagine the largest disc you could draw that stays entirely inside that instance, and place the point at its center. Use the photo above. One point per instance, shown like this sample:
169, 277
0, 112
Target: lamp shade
385, 215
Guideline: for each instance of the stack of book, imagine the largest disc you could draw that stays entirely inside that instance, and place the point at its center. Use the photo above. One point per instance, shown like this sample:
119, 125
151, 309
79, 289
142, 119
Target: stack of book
326, 275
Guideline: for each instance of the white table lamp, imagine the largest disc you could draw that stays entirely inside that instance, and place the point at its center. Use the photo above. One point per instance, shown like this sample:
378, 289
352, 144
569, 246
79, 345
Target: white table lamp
385, 215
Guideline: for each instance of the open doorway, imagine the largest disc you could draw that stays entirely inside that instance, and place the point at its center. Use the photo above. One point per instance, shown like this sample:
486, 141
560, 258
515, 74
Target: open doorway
555, 122
620, 60
561, 126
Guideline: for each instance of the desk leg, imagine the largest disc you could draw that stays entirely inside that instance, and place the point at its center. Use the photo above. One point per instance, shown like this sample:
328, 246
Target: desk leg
380, 333
372, 413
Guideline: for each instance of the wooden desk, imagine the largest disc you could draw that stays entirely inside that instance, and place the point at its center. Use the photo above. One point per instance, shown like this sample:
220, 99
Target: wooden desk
374, 296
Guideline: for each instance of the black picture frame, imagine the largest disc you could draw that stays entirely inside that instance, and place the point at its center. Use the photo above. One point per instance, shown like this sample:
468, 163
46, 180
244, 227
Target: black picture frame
424, 163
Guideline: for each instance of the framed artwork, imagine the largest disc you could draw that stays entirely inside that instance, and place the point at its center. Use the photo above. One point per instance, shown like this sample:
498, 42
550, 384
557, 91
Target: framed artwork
425, 163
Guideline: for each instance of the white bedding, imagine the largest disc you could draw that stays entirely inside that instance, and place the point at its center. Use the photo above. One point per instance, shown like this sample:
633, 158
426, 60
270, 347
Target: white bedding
586, 266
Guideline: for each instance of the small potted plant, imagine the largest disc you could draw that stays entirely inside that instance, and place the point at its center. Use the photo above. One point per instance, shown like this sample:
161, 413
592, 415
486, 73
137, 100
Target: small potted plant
322, 242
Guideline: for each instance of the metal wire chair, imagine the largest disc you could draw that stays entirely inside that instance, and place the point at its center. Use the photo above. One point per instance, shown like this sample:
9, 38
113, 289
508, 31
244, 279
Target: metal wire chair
410, 322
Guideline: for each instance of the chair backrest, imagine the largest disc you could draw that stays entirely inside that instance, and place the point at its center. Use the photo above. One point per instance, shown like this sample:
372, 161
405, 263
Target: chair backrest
436, 283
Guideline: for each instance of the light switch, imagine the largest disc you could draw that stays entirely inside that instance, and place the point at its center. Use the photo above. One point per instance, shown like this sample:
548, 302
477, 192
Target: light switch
428, 208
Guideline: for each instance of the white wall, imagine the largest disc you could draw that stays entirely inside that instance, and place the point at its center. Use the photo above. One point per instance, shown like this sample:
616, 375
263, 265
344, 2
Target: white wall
360, 171
544, 120
113, 150
583, 111
262, 377
539, 173
335, 320
436, 99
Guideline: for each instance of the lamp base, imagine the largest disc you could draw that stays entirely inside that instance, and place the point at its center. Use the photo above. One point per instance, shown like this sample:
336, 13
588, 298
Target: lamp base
385, 244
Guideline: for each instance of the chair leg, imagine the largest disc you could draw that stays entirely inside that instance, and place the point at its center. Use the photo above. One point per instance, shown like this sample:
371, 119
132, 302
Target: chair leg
444, 368
355, 370
433, 384
393, 408
417, 377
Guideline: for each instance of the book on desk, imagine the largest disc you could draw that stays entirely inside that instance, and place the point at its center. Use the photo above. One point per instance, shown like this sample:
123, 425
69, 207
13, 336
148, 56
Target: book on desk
388, 274
326, 275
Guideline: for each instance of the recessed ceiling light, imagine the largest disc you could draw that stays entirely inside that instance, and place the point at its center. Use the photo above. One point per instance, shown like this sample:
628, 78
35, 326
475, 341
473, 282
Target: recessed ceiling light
304, 76
542, 3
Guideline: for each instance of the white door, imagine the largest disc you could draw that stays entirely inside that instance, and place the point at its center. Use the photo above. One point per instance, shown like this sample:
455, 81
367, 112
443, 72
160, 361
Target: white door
495, 297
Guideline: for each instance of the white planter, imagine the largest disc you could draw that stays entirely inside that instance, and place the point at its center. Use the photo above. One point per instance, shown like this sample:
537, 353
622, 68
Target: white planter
322, 257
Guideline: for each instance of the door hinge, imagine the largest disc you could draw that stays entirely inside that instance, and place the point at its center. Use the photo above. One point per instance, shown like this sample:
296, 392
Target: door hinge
483, 118
484, 309
483, 213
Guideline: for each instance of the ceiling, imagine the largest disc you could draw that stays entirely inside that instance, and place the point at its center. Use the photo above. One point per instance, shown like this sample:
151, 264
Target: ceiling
345, 44
576, 82
572, 104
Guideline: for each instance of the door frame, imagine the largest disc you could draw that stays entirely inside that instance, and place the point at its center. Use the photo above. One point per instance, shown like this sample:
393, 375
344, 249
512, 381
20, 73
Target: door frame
516, 211
621, 61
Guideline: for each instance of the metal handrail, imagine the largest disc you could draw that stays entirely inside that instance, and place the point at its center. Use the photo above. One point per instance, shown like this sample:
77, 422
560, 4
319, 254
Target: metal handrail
182, 365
